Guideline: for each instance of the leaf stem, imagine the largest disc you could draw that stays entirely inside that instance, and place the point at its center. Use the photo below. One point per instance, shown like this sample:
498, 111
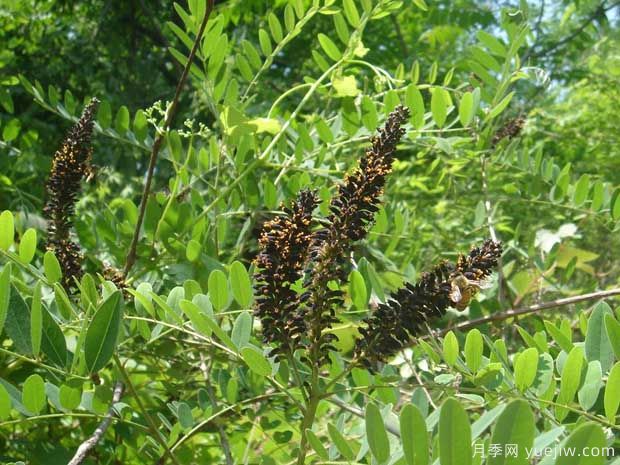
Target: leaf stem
42, 365
206, 370
308, 420
27, 268
49, 416
151, 423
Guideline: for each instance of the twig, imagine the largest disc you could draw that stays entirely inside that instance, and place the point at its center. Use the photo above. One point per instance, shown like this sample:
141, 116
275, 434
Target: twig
158, 436
131, 256
489, 217
213, 399
359, 413
598, 11
85, 448
537, 30
526, 310
419, 380
403, 45
198, 428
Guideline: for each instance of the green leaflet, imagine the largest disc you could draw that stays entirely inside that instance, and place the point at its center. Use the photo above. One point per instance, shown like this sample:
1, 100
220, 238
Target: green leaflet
454, 434
597, 346
414, 436
218, 289
588, 436
102, 333
33, 394
256, 361
5, 294
515, 425
376, 434
240, 284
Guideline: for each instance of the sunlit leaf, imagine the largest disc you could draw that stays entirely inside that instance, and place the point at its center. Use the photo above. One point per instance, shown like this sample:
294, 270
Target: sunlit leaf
376, 434
413, 435
329, 47
454, 434
102, 334
7, 230
33, 394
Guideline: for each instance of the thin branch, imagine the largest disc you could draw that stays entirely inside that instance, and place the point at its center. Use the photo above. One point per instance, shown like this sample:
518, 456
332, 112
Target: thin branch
213, 399
359, 413
537, 31
526, 310
85, 448
131, 256
419, 380
229, 408
601, 9
158, 436
399, 33
489, 217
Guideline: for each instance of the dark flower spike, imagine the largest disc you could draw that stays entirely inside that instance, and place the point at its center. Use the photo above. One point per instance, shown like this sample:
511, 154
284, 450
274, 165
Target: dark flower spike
410, 310
70, 165
480, 262
352, 212
283, 244
509, 131
354, 207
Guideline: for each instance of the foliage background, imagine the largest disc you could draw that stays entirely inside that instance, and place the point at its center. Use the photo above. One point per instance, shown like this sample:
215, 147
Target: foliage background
271, 107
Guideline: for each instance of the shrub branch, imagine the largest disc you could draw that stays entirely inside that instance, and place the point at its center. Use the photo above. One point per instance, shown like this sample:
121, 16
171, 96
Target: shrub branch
82, 452
502, 316
159, 139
